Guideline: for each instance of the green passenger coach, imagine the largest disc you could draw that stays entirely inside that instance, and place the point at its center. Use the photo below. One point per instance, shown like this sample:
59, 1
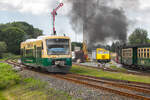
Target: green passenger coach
137, 56
52, 53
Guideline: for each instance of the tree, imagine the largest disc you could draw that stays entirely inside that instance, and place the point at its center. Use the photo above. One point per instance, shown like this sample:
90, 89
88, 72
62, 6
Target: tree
139, 36
30, 31
14, 33
37, 32
148, 40
107, 47
76, 44
3, 48
13, 36
115, 46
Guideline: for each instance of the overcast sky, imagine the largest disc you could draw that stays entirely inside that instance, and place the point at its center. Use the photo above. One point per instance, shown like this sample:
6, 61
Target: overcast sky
37, 13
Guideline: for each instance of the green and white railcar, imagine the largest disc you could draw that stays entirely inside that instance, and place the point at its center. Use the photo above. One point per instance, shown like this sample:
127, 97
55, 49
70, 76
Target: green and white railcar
52, 53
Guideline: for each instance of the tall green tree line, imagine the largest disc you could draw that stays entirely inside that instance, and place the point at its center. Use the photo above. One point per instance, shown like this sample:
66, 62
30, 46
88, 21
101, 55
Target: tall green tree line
139, 36
16, 32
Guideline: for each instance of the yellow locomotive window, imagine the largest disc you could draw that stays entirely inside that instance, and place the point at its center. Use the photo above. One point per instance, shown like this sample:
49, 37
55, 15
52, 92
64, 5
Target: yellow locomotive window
100, 52
106, 52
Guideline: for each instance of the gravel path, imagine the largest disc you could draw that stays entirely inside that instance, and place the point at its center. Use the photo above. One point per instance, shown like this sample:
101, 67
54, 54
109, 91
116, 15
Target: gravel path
75, 90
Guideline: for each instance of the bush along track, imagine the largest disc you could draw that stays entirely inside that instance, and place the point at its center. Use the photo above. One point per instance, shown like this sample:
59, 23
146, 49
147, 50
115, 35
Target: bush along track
15, 87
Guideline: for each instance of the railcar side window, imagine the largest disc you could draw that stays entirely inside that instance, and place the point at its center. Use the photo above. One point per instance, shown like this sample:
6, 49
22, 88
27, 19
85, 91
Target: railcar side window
42, 45
29, 53
21, 52
24, 52
39, 52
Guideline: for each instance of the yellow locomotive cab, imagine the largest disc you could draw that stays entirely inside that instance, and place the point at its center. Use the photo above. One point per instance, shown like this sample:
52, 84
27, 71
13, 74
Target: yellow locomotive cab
102, 55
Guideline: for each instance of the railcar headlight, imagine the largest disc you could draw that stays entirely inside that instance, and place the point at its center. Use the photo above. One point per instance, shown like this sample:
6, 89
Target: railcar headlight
57, 62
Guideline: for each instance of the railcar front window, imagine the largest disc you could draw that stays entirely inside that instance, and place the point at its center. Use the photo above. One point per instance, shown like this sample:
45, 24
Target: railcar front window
58, 46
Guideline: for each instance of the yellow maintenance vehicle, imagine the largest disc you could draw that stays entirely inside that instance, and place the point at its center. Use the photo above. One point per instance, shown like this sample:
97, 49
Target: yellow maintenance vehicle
102, 55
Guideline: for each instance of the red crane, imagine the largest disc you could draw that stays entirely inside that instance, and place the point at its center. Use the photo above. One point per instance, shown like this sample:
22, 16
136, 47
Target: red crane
54, 13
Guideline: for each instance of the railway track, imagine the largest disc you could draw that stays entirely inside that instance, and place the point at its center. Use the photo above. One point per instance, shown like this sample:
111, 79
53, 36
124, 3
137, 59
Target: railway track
114, 70
97, 84
135, 90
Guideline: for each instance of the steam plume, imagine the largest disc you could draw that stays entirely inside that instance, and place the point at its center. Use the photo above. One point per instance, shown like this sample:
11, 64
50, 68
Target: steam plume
98, 20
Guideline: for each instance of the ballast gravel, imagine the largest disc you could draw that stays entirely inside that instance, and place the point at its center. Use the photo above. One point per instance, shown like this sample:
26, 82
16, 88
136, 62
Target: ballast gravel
77, 91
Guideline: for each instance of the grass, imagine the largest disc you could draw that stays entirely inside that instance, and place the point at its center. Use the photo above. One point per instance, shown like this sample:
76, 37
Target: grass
2, 96
118, 68
99, 73
15, 87
6, 56
31, 89
8, 77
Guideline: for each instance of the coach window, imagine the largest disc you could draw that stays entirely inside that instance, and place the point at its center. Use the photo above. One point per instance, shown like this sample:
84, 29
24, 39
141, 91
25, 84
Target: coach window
130, 52
148, 53
123, 53
139, 53
144, 53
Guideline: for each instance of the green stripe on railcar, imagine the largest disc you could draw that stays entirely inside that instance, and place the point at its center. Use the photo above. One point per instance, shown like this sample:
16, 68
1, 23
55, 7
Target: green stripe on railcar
46, 61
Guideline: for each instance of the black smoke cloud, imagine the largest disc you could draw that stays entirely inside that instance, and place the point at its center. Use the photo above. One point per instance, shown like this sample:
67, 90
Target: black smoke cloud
98, 21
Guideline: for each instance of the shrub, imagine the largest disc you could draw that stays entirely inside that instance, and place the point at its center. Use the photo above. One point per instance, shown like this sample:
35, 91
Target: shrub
7, 76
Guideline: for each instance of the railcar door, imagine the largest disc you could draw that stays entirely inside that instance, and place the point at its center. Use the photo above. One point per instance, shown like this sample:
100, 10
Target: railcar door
134, 56
35, 54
